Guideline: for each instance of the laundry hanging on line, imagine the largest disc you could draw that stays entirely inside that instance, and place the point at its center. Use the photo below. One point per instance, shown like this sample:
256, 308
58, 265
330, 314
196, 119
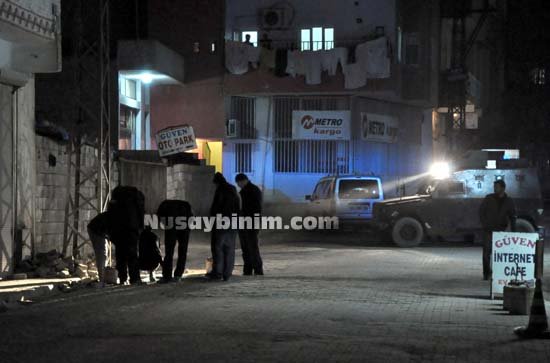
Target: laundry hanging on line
239, 55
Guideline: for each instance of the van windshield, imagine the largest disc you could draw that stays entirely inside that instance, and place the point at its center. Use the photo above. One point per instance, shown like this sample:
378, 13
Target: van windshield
358, 189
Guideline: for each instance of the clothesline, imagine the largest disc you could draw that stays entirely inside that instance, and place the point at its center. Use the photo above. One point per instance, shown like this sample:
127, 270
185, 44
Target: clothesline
368, 60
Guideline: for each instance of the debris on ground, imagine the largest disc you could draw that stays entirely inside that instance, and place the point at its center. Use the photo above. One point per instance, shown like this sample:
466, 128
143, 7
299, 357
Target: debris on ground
53, 264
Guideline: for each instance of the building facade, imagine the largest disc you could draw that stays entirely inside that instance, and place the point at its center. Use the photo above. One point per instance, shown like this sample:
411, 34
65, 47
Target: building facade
30, 43
247, 116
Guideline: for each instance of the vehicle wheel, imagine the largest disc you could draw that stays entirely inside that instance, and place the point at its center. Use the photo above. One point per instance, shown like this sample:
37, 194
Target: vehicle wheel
407, 232
523, 225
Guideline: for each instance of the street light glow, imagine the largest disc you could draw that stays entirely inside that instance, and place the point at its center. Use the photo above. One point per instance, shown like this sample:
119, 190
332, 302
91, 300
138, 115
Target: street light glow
146, 77
440, 170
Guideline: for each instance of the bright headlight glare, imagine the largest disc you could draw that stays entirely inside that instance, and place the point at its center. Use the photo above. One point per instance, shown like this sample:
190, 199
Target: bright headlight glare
440, 170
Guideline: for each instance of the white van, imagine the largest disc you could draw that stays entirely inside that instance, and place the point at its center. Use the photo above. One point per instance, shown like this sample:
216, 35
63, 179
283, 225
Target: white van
349, 197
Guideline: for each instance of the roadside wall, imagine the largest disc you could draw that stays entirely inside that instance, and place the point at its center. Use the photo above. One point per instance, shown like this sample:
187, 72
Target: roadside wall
52, 192
192, 183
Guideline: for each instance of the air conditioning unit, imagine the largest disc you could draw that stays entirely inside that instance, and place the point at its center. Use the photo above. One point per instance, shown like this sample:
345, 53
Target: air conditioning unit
232, 128
272, 18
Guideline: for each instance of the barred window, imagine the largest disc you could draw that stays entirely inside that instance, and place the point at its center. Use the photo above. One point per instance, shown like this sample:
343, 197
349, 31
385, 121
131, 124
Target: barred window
243, 109
312, 156
243, 158
308, 156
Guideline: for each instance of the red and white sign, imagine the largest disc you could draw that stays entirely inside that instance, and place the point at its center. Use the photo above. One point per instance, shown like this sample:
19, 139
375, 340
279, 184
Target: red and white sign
513, 258
321, 125
175, 140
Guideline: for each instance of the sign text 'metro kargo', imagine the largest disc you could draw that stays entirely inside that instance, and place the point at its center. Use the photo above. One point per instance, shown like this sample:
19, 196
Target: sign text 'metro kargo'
379, 128
175, 140
513, 258
321, 125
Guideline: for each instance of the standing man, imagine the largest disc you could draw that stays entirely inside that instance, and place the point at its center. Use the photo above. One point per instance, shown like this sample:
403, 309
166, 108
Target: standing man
98, 231
126, 210
251, 197
169, 210
225, 204
496, 213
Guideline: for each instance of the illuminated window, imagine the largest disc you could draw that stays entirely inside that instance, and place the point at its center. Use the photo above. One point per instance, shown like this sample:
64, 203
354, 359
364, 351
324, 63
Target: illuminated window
253, 37
317, 38
128, 88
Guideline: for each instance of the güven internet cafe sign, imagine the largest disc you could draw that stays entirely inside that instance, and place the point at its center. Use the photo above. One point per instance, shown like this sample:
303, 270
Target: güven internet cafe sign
513, 258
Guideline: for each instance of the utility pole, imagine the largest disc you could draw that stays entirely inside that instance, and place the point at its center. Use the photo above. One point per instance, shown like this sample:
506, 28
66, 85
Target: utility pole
91, 96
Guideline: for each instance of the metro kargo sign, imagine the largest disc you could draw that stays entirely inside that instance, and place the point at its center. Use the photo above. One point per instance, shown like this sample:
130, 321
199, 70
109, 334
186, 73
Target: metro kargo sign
379, 128
175, 140
321, 125
513, 258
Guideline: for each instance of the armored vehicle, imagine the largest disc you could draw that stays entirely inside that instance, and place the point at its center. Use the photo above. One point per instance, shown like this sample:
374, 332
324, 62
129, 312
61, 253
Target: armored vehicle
448, 208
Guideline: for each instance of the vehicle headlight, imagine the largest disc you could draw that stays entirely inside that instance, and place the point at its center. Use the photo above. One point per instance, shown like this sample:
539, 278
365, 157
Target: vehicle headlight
440, 170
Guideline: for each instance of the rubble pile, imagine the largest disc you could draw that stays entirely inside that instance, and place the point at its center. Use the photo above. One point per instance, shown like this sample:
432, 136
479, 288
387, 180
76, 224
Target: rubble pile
53, 264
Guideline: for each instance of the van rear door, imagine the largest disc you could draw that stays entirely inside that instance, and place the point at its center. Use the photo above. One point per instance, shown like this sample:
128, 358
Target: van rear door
355, 197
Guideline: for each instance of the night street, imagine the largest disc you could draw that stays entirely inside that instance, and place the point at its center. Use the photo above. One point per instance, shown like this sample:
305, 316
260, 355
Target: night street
274, 181
319, 301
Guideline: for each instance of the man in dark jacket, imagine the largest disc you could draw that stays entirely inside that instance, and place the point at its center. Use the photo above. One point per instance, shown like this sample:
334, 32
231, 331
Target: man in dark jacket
168, 211
496, 213
225, 204
251, 198
126, 210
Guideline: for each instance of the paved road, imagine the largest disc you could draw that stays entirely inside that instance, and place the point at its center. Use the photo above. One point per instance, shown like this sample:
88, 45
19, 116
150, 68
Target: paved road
320, 301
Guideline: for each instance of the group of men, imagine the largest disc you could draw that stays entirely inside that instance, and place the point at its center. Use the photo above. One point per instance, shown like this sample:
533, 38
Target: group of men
123, 224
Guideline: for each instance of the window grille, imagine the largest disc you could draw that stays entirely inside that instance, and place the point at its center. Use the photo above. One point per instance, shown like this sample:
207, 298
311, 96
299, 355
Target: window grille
307, 156
243, 158
243, 109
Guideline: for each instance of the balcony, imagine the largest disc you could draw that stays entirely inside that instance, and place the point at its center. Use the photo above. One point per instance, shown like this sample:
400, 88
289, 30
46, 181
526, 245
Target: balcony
151, 58
30, 36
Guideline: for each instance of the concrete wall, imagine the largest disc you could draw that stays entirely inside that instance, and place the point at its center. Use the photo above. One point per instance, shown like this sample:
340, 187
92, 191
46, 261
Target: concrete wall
199, 104
147, 177
26, 169
17, 174
52, 192
192, 183
6, 180
31, 26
